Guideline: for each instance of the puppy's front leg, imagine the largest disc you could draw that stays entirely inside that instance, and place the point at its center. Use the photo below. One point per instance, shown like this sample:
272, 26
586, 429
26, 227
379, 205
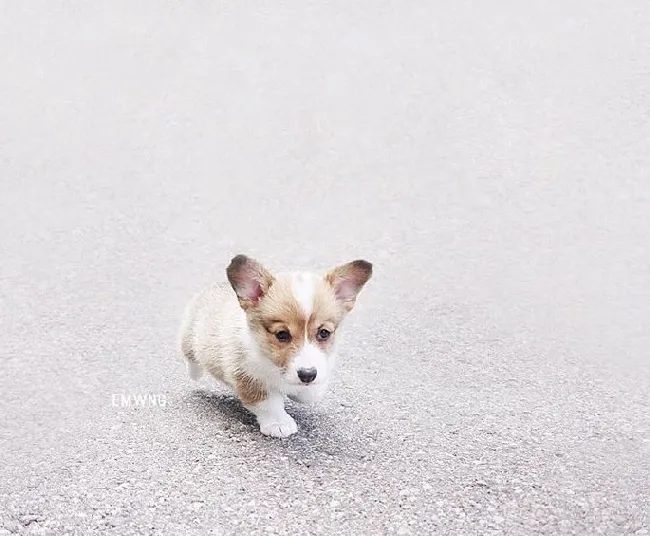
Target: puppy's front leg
273, 420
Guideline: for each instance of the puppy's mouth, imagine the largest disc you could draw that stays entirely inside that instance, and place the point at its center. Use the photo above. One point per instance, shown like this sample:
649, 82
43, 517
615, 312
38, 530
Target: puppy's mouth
298, 383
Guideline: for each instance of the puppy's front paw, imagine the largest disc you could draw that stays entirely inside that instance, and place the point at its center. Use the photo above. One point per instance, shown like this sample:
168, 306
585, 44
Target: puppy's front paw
282, 427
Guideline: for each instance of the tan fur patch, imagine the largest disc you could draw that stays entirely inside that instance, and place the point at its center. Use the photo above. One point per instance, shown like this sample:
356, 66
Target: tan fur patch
249, 390
280, 311
327, 313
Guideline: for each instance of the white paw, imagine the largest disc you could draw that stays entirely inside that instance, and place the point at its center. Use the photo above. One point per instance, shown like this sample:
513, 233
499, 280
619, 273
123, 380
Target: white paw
282, 427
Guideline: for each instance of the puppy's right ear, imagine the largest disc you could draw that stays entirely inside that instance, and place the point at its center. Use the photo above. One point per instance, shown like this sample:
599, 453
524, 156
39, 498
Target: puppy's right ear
348, 280
249, 279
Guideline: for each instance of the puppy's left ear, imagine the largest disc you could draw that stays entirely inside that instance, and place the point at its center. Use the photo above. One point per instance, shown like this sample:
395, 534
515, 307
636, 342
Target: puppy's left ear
348, 280
249, 279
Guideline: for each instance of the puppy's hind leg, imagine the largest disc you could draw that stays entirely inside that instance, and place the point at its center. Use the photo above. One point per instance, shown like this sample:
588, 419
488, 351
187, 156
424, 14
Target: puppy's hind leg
194, 370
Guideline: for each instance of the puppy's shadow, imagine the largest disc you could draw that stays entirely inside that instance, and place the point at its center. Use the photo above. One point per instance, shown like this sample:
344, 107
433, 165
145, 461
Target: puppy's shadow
222, 406
318, 433
227, 408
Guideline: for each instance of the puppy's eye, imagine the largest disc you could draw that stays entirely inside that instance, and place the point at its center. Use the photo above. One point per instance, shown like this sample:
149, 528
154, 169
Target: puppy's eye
323, 334
283, 336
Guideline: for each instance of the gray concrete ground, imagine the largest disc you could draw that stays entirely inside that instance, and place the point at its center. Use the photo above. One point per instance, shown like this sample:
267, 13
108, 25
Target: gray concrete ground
492, 159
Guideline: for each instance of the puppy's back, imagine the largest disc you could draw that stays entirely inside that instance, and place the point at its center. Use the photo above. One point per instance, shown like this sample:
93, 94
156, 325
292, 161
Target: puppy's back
211, 330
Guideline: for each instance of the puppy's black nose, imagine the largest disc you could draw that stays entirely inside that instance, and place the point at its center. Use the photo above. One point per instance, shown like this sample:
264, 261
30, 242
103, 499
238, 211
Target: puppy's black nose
307, 375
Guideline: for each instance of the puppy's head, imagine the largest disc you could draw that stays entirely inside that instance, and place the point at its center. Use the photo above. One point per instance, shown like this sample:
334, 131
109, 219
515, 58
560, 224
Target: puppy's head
295, 317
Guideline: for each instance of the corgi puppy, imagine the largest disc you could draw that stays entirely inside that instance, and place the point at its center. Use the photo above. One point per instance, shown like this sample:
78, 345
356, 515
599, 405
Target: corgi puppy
274, 336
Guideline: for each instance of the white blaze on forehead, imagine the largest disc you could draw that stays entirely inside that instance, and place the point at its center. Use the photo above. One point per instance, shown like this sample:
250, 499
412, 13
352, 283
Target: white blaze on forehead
303, 286
311, 356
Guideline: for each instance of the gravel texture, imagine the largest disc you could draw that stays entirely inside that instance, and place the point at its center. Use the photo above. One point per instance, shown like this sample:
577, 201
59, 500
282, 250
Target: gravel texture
493, 161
